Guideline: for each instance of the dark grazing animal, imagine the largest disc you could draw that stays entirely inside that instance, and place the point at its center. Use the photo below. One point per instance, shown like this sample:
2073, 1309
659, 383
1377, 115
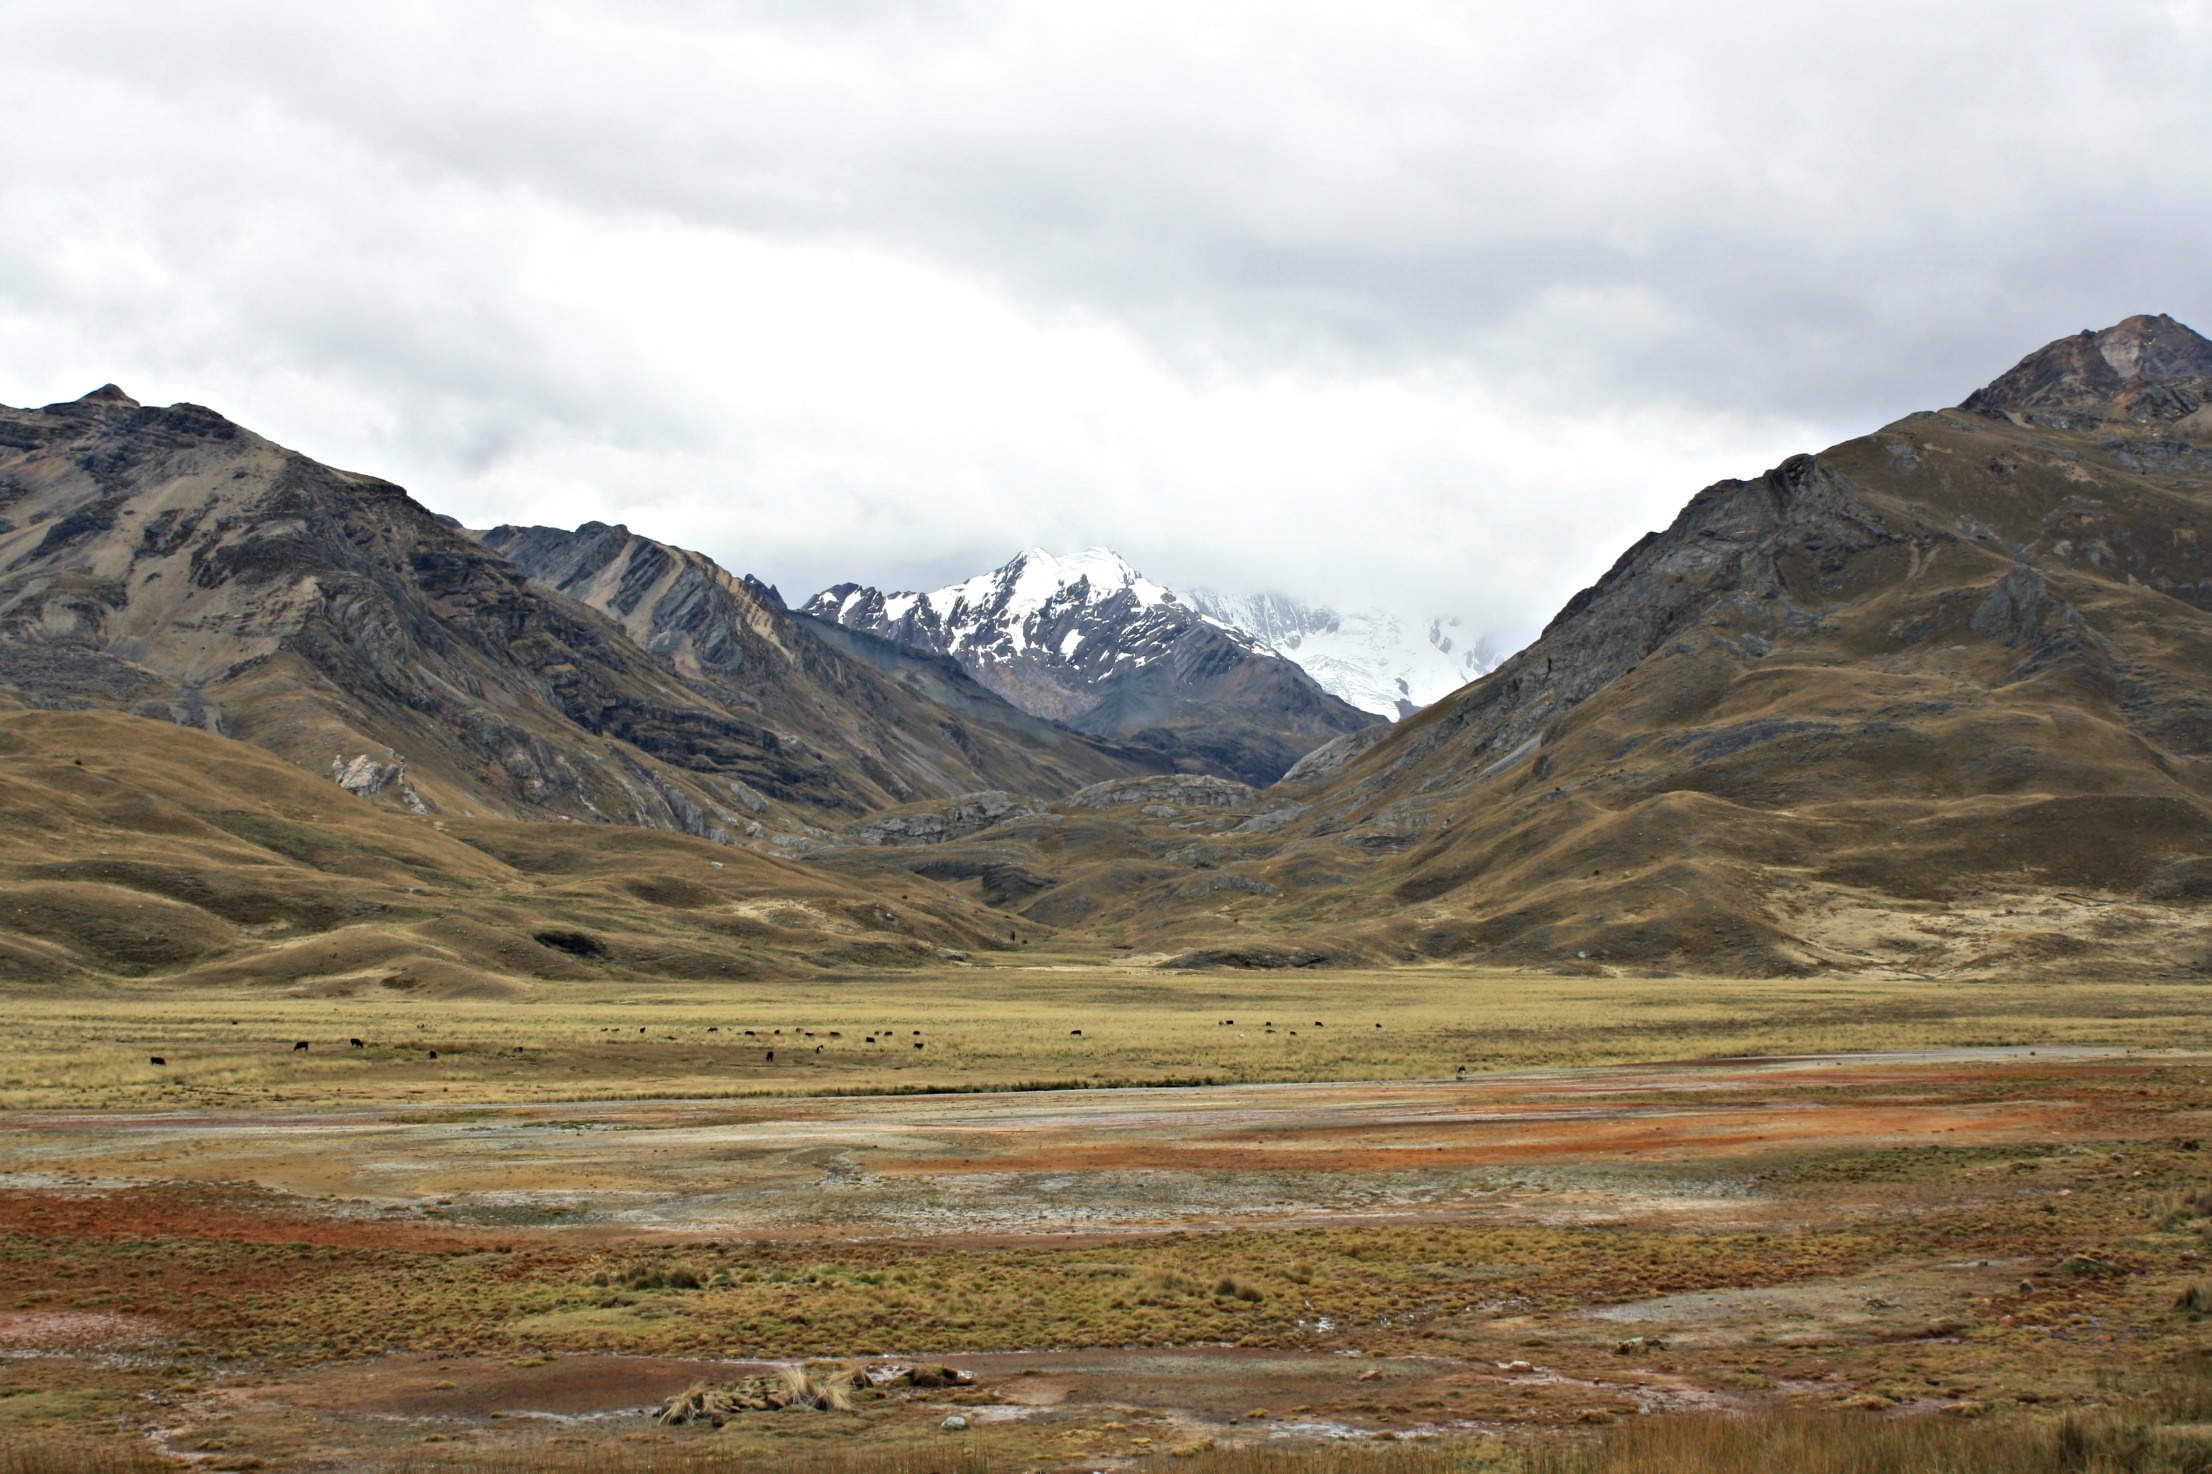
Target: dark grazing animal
299, 1047
357, 1044
156, 1060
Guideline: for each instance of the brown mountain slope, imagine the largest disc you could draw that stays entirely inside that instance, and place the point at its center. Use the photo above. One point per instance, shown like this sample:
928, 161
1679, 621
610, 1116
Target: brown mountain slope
140, 848
170, 563
1960, 663
1934, 699
732, 640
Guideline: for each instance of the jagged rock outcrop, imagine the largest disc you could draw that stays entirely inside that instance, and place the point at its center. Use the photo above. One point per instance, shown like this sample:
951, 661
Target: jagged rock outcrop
1175, 791
965, 815
894, 736
1090, 642
2142, 369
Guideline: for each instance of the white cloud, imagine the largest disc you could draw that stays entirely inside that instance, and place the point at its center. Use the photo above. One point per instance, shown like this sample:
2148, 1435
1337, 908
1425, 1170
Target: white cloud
1434, 304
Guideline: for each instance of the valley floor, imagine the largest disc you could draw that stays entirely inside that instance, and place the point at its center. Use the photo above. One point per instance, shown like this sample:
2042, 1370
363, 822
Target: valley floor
1992, 1210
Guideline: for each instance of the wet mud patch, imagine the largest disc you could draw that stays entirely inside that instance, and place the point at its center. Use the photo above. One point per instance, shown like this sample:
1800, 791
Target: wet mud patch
478, 1388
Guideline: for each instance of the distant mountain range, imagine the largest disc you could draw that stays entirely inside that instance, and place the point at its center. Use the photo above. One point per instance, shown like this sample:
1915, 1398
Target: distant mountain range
1088, 641
1933, 700
1008, 627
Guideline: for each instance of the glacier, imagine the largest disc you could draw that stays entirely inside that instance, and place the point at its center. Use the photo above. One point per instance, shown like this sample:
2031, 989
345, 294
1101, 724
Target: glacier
1375, 660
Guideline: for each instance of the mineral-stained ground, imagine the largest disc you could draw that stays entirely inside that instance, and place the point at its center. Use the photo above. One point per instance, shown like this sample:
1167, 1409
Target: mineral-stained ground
1961, 1233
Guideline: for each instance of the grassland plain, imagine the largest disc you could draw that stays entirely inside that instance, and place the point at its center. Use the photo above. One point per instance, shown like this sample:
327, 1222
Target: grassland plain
1039, 1021
1960, 1236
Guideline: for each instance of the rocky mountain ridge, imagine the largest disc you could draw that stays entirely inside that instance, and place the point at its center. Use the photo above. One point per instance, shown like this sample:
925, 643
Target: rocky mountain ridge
902, 733
1962, 657
2145, 369
169, 563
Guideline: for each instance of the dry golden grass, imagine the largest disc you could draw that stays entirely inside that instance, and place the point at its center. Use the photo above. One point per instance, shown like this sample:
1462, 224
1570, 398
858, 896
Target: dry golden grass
995, 1028
941, 1456
2147, 1425
2133, 1440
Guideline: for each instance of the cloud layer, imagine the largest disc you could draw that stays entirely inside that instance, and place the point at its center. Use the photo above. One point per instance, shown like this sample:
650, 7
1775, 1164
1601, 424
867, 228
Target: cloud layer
1437, 305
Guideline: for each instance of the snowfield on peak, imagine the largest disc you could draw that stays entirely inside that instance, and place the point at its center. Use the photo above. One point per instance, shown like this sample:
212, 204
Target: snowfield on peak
1085, 639
1014, 602
1376, 660
1087, 609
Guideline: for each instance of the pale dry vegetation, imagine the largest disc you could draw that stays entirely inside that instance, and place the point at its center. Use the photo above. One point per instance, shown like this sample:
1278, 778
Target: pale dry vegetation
997, 1028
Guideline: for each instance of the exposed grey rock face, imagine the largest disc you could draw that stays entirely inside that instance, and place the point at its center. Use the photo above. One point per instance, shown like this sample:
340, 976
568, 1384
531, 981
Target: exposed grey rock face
2142, 369
1090, 642
1264, 959
1724, 545
1330, 756
963, 816
1186, 790
365, 777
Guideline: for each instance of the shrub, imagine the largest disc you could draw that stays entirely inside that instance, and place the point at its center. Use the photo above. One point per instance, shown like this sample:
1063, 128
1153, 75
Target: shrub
2183, 1205
652, 1277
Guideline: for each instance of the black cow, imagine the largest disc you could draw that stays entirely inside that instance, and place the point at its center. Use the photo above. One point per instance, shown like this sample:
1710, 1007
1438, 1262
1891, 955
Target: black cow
156, 1060
300, 1048
357, 1044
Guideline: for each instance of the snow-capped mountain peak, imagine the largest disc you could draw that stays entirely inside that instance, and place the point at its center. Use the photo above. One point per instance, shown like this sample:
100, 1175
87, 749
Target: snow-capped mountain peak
1086, 639
1043, 629
1032, 593
1036, 602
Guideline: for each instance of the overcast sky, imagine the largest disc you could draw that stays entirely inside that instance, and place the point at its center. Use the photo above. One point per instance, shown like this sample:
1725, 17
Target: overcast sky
1433, 305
